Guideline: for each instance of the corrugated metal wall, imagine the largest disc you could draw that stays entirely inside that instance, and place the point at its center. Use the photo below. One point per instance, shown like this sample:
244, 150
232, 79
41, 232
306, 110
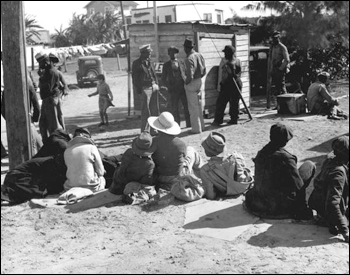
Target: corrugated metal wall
210, 45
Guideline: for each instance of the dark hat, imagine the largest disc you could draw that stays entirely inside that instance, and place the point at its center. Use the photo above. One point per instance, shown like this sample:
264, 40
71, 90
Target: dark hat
173, 49
53, 58
145, 48
276, 34
41, 57
340, 147
280, 134
101, 76
229, 48
189, 43
83, 130
142, 145
214, 144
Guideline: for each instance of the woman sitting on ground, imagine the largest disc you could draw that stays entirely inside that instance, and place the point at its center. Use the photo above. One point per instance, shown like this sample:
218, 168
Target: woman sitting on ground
84, 164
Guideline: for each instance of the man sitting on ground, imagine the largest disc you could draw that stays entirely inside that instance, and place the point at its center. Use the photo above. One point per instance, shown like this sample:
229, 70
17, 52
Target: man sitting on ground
172, 157
224, 175
319, 100
280, 187
330, 197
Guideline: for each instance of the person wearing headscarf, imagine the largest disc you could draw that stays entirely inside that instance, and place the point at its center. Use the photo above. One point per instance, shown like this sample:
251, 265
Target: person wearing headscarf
84, 164
330, 197
279, 190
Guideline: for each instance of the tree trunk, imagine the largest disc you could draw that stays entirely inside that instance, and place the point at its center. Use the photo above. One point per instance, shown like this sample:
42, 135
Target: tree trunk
15, 82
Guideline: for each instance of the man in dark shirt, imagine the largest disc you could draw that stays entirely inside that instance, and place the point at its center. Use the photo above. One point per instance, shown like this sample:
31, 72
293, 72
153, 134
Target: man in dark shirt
330, 197
136, 165
229, 73
279, 190
51, 117
174, 83
172, 157
146, 84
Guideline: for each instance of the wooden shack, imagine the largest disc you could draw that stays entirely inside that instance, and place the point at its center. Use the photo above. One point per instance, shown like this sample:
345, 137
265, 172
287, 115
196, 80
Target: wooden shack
210, 40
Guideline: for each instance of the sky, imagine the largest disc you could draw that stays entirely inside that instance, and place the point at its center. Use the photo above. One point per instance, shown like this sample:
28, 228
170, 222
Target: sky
52, 15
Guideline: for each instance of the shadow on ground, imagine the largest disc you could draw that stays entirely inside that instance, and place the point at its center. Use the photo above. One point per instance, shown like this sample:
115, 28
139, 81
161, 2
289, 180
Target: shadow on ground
290, 234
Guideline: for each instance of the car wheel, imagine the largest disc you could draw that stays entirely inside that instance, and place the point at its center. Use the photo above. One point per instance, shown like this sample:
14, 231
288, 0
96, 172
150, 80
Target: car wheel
92, 74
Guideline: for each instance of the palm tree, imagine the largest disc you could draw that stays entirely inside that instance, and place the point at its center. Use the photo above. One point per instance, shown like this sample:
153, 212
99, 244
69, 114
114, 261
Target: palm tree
31, 26
60, 37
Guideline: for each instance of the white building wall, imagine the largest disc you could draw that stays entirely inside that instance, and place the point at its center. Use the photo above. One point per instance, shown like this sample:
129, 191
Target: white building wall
178, 13
195, 13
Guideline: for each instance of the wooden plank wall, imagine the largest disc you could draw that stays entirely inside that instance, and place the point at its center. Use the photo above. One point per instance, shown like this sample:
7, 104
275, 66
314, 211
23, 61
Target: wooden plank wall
210, 45
168, 35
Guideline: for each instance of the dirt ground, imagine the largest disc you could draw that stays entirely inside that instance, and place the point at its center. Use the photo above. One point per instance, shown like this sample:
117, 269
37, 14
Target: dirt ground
117, 238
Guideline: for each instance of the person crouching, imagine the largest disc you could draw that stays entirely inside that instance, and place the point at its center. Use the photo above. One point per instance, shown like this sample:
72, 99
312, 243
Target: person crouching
84, 165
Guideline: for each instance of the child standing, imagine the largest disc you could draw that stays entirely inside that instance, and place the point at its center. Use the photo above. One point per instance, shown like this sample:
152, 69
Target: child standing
105, 98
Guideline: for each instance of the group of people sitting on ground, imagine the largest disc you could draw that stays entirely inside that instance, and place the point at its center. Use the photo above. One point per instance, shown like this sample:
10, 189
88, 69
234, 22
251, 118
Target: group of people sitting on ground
165, 164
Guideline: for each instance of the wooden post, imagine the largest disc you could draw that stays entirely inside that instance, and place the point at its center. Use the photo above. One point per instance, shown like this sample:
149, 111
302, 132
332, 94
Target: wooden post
156, 30
32, 58
118, 62
128, 57
15, 81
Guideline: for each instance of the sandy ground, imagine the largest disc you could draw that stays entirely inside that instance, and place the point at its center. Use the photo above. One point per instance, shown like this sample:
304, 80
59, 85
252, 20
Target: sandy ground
118, 238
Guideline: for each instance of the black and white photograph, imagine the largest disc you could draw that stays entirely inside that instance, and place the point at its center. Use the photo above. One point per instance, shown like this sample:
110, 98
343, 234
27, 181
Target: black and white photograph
174, 137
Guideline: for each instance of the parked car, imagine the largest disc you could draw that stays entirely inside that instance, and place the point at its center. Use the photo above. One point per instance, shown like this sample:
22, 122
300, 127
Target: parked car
89, 68
258, 69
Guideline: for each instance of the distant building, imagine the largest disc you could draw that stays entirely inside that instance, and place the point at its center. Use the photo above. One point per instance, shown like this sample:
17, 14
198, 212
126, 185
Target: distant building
44, 37
244, 20
113, 6
203, 12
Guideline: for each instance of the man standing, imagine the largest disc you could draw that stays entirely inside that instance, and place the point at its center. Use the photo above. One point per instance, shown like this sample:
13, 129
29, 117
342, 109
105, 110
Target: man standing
146, 84
194, 71
277, 65
51, 117
229, 73
174, 83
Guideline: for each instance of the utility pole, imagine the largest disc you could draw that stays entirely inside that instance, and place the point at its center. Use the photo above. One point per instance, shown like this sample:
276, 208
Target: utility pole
15, 82
128, 57
156, 30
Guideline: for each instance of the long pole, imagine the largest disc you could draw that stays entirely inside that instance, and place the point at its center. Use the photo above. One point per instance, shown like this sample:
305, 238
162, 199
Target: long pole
128, 57
241, 97
156, 30
15, 70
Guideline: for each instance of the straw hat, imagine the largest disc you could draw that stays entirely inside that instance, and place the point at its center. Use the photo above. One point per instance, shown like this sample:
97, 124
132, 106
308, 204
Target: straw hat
165, 123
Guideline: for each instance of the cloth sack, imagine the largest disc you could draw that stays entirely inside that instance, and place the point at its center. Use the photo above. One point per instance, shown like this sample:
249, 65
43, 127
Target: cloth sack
136, 193
73, 195
228, 176
187, 188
